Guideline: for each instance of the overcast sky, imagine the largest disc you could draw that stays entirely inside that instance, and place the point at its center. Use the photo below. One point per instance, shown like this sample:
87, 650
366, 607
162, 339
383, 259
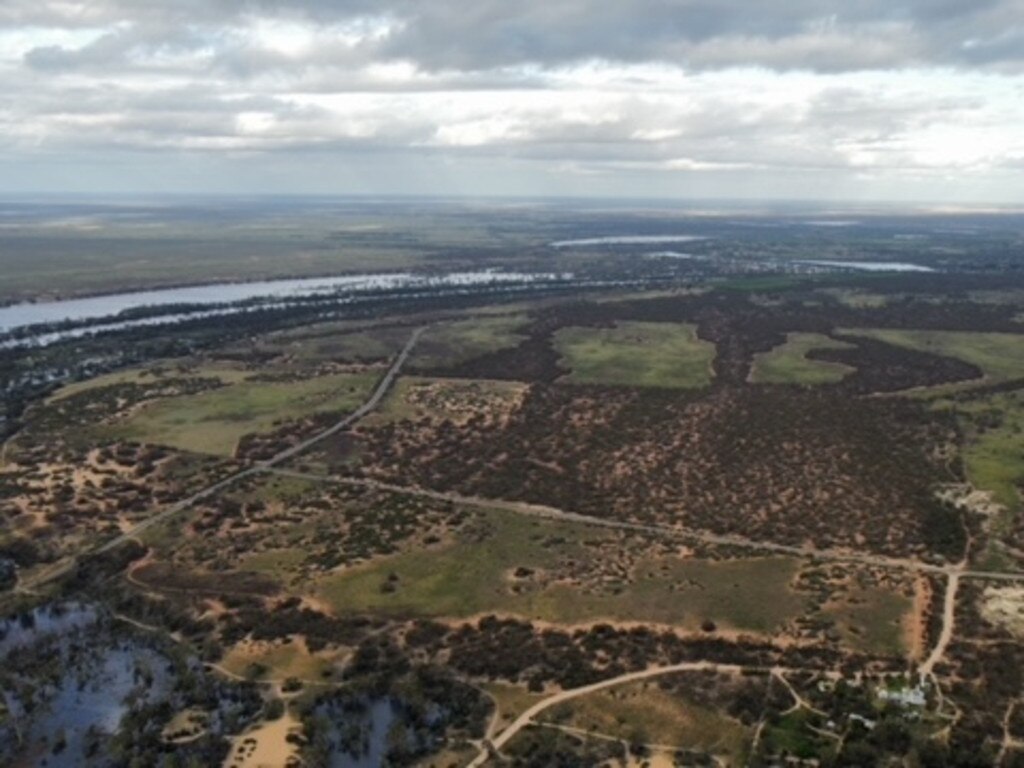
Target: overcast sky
804, 99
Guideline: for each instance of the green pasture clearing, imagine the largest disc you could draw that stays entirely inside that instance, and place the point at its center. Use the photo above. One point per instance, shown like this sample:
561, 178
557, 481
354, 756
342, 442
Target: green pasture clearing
175, 369
475, 575
994, 454
644, 713
636, 354
999, 355
277, 563
511, 700
871, 620
214, 421
280, 660
788, 363
452, 343
993, 458
367, 345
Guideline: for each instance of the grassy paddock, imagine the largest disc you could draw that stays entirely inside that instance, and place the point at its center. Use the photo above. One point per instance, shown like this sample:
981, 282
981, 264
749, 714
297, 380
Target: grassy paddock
636, 354
871, 620
788, 363
336, 344
214, 421
290, 658
643, 713
449, 344
225, 372
994, 456
474, 574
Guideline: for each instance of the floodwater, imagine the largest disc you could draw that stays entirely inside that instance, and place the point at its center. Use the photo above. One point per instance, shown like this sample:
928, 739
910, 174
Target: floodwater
372, 723
91, 693
273, 291
96, 697
871, 266
31, 627
379, 718
18, 315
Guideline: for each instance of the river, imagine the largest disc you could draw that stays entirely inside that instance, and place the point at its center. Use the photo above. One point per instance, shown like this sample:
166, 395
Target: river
218, 295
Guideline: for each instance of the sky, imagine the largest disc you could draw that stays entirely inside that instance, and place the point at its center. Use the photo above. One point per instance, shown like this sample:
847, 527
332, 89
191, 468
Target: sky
918, 101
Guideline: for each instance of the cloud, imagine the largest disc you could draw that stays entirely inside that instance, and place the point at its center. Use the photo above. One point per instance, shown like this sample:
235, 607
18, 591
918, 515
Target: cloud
822, 35
662, 88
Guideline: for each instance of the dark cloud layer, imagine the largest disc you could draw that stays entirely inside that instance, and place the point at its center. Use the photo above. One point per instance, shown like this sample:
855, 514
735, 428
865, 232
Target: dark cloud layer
873, 92
453, 34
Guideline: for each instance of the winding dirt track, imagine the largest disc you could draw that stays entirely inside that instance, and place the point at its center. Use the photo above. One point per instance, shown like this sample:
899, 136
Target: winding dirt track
524, 719
499, 741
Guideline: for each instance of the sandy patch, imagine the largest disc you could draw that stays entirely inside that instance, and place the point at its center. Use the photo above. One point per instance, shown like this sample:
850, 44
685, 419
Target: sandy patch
656, 759
266, 745
968, 498
1004, 607
187, 725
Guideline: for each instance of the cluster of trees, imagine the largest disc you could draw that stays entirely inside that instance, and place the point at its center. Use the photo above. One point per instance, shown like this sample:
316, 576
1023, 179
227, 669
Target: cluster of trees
517, 651
768, 463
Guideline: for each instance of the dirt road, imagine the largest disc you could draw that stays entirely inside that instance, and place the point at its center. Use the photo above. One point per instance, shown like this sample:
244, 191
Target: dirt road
375, 398
553, 513
524, 719
948, 623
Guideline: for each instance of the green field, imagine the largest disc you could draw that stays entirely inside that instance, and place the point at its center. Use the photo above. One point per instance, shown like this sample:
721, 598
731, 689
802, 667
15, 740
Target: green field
225, 372
993, 460
644, 713
473, 574
999, 355
635, 354
871, 620
214, 421
336, 343
448, 344
277, 563
788, 362
276, 661
993, 451
994, 455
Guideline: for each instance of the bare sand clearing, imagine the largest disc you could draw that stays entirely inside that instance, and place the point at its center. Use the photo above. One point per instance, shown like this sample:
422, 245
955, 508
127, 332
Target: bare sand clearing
971, 499
1004, 606
656, 759
266, 745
